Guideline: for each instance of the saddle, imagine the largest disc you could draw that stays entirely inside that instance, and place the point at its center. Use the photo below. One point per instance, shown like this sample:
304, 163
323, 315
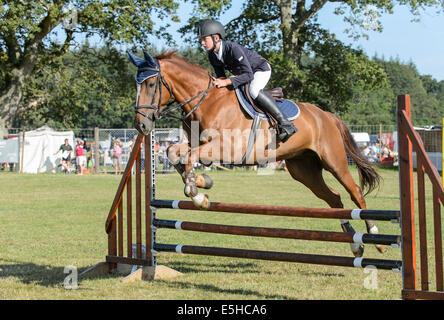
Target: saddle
277, 94
288, 108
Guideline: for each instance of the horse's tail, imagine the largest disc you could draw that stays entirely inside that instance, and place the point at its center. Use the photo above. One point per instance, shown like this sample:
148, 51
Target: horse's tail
368, 177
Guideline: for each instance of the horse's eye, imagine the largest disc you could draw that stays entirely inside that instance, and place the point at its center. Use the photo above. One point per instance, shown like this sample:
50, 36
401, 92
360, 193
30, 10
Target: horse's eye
151, 84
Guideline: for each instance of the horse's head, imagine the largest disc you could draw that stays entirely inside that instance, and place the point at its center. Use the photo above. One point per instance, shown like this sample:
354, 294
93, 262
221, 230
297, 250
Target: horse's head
150, 98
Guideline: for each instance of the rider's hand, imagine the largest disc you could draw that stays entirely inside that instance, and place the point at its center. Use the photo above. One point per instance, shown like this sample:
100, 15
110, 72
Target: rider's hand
222, 82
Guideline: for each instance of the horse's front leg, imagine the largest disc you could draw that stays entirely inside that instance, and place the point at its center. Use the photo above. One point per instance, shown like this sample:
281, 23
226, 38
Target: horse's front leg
180, 157
193, 181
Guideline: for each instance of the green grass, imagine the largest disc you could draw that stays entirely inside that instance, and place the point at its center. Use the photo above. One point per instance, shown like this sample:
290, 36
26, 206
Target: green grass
49, 222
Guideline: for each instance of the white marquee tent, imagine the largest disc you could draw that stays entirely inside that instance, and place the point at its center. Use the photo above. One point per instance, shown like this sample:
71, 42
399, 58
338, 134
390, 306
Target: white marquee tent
40, 146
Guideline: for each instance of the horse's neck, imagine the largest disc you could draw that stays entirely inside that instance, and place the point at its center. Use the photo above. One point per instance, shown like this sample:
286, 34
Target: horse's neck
186, 83
194, 83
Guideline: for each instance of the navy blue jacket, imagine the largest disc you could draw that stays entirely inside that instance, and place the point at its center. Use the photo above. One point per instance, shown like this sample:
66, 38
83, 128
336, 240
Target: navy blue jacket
240, 61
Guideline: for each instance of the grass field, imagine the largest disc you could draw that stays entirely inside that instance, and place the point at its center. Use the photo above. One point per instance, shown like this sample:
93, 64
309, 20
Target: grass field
51, 221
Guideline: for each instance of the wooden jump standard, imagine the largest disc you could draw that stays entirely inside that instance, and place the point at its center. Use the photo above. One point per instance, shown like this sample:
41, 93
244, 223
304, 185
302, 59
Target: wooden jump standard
246, 231
145, 255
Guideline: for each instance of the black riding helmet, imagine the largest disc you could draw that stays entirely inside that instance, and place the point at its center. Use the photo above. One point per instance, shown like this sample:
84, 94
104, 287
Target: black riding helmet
210, 27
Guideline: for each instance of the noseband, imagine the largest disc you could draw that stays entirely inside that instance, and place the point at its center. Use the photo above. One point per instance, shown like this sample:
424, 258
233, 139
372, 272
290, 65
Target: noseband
168, 109
160, 80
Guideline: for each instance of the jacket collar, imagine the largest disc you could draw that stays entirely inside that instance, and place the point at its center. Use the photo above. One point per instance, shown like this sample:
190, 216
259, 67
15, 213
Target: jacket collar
220, 55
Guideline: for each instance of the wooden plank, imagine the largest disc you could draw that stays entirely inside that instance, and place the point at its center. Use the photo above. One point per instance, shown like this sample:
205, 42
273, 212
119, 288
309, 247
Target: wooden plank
286, 211
422, 225
112, 241
120, 228
129, 218
438, 241
418, 294
126, 260
125, 176
406, 194
415, 139
281, 256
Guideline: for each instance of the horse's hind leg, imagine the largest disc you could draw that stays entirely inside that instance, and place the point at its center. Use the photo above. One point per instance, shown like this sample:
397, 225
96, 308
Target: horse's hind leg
308, 171
339, 169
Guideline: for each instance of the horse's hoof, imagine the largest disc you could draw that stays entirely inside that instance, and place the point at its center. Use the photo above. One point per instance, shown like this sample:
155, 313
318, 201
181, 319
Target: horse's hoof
190, 191
204, 181
381, 248
201, 201
357, 249
187, 191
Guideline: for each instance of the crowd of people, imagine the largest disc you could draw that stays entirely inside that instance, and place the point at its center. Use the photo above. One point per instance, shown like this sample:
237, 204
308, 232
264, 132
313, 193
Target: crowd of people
377, 154
372, 152
80, 152
80, 155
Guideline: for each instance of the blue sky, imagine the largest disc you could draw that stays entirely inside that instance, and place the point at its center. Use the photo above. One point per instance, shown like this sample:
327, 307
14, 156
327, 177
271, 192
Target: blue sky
420, 42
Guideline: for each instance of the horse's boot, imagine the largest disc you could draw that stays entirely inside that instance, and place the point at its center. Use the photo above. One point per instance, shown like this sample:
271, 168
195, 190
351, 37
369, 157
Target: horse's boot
285, 127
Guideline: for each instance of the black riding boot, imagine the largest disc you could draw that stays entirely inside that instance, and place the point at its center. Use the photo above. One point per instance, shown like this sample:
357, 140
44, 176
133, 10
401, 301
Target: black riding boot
285, 127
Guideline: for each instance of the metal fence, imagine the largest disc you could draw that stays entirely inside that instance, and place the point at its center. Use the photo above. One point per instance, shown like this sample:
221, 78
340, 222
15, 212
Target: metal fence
12, 148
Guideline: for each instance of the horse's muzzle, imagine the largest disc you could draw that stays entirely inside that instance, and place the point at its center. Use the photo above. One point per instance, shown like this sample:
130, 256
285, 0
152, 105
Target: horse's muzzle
144, 124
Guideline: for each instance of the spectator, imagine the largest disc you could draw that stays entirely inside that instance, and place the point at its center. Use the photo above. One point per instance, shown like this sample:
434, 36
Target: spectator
87, 150
117, 155
385, 152
66, 155
80, 157
365, 150
165, 161
133, 141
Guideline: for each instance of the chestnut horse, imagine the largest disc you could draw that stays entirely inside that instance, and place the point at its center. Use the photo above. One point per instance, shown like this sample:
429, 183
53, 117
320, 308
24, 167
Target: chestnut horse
322, 141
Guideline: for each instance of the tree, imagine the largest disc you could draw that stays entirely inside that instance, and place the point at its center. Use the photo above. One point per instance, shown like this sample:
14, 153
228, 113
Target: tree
371, 107
85, 88
29, 33
286, 31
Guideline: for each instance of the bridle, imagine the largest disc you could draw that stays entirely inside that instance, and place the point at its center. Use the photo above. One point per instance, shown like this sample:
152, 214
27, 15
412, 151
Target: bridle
168, 110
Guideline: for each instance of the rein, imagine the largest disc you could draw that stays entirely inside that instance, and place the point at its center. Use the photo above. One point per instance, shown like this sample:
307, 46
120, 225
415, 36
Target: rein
169, 108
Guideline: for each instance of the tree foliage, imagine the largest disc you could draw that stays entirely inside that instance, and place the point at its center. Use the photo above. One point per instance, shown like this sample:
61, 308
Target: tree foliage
94, 86
46, 77
34, 34
307, 60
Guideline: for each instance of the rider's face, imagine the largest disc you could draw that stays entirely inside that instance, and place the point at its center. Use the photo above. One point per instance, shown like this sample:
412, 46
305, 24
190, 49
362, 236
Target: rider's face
207, 42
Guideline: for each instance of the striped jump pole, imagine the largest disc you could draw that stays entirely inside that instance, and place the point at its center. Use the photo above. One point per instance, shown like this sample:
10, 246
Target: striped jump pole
325, 213
359, 238
394, 265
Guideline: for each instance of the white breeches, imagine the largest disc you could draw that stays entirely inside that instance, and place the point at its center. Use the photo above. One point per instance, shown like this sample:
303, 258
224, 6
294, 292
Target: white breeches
259, 82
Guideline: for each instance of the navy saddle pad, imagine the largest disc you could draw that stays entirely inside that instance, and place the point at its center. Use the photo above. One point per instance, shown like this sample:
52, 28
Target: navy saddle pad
288, 108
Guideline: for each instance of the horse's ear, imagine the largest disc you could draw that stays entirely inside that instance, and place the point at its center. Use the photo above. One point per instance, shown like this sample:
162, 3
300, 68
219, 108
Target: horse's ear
149, 59
135, 59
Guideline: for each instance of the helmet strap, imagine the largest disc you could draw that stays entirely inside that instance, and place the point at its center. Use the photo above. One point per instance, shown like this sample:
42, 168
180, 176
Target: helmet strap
214, 42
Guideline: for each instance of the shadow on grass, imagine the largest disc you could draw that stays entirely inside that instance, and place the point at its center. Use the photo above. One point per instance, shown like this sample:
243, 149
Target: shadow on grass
196, 267
245, 293
31, 273
40, 275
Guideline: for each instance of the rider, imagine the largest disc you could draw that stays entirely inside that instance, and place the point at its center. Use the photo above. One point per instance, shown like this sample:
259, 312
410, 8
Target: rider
246, 66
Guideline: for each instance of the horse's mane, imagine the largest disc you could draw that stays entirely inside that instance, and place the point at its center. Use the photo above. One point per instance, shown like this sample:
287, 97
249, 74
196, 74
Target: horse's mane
174, 55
